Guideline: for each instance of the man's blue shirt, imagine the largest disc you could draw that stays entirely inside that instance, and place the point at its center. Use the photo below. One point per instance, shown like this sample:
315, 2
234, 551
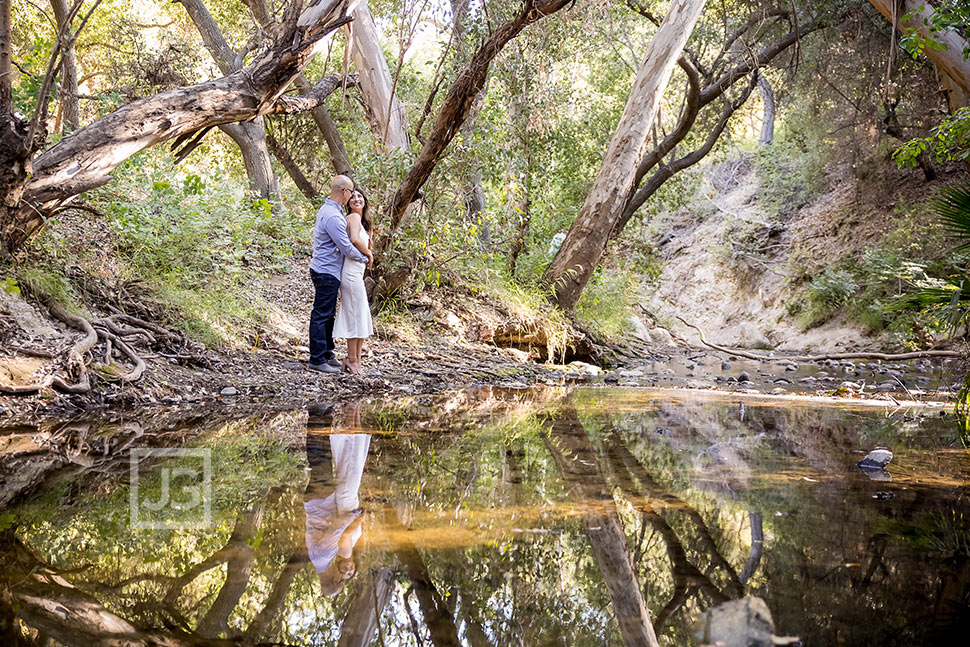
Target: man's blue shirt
331, 242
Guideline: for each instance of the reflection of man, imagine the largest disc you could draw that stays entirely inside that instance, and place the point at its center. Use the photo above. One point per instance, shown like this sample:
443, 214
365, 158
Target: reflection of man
333, 512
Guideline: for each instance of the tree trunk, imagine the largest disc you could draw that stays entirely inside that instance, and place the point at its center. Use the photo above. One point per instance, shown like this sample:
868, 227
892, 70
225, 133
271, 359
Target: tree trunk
321, 116
249, 136
523, 210
586, 240
384, 111
768, 123
455, 108
574, 456
948, 59
70, 112
85, 160
474, 193
292, 169
15, 151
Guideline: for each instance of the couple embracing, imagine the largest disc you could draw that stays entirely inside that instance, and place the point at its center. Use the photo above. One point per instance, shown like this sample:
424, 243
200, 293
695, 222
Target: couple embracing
341, 252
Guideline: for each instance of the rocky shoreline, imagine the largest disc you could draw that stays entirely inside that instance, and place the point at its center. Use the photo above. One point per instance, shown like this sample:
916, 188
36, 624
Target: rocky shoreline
242, 379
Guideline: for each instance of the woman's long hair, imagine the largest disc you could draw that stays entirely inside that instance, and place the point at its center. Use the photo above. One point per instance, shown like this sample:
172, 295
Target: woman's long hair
365, 220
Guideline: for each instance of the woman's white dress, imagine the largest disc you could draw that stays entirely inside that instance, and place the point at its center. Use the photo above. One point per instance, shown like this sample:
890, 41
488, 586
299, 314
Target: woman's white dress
353, 312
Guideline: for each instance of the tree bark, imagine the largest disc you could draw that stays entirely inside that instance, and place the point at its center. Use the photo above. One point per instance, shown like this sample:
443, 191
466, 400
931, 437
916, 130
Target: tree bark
768, 122
586, 240
15, 150
667, 171
67, 95
948, 59
250, 138
85, 160
321, 116
455, 108
385, 113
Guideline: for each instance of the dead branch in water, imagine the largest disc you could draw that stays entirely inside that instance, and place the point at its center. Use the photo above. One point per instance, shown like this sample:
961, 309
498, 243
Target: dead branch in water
815, 358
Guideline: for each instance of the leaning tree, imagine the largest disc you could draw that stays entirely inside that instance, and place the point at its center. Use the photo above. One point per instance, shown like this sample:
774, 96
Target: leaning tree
37, 182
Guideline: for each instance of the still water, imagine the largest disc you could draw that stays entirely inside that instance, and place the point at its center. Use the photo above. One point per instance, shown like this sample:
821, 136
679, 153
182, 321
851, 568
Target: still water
554, 517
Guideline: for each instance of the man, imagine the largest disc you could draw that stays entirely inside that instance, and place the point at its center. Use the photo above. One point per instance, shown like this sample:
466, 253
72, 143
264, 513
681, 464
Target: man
330, 245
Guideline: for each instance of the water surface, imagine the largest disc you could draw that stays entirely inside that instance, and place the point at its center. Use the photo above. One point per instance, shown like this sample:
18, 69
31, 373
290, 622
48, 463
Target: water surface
554, 517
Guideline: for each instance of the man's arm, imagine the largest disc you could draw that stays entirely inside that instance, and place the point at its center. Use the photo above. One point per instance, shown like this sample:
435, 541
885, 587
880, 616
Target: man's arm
337, 228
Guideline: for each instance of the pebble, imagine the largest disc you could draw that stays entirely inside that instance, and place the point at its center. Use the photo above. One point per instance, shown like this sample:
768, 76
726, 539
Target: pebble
229, 390
782, 380
744, 377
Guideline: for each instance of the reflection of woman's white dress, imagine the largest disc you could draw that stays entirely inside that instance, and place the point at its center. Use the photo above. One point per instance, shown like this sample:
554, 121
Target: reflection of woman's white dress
327, 519
353, 313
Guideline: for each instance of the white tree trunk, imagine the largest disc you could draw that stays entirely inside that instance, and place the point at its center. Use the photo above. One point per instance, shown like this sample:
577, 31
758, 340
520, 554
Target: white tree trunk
384, 111
768, 99
583, 247
950, 60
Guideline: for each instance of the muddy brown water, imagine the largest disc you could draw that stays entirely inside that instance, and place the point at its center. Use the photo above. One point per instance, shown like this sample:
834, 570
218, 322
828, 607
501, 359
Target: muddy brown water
583, 516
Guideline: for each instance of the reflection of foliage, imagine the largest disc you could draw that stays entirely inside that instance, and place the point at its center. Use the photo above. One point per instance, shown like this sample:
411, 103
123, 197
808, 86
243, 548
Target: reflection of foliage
503, 541
945, 533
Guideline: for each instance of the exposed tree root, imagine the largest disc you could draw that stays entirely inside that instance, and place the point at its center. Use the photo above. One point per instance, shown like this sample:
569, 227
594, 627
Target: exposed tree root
117, 332
815, 358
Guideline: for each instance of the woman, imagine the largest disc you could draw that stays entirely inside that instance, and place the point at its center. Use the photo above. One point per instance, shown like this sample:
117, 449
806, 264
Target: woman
353, 321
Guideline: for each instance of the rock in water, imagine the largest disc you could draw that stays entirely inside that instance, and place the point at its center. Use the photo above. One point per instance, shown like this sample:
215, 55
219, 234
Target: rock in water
740, 623
877, 459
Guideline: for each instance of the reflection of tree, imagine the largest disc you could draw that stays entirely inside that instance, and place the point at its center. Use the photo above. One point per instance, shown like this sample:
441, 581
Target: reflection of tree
511, 538
576, 460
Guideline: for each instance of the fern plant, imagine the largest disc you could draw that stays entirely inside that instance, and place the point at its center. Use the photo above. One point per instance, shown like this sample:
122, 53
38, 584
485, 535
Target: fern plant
948, 300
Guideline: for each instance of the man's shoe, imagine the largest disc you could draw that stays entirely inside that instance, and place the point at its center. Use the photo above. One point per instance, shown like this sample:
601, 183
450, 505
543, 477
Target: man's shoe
334, 362
323, 368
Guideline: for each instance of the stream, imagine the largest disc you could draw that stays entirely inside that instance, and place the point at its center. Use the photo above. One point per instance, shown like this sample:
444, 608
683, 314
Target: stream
548, 516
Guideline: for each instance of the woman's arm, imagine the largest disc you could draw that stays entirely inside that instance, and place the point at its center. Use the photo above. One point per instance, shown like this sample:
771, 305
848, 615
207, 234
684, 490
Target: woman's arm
353, 230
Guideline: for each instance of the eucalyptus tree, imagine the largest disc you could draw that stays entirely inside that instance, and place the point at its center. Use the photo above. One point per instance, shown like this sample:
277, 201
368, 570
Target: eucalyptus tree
35, 186
947, 48
586, 241
749, 43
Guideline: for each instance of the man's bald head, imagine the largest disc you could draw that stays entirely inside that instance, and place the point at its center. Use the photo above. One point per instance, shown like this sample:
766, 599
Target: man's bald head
341, 187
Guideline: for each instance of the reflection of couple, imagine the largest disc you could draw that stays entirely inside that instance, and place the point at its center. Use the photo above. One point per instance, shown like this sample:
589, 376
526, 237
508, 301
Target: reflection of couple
333, 512
341, 252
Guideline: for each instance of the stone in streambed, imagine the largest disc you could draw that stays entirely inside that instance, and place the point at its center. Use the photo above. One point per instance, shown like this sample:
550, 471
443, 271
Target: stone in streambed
740, 623
877, 459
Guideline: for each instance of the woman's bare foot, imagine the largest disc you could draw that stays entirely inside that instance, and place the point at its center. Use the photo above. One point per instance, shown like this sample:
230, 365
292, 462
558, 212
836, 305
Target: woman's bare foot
353, 368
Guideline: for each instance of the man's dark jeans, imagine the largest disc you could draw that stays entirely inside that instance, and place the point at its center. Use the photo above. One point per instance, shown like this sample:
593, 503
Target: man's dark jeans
324, 310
